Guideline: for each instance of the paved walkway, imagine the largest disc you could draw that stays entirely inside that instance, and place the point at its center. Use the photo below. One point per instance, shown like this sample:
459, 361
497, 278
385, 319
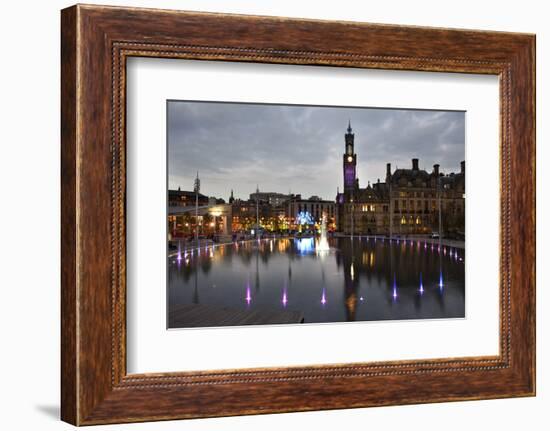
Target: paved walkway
200, 316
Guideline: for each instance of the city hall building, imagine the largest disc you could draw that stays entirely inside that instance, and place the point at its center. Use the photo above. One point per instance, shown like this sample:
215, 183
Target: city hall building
409, 202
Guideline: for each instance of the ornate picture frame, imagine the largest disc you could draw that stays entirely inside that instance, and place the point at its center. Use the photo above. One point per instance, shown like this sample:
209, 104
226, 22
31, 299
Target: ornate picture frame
96, 41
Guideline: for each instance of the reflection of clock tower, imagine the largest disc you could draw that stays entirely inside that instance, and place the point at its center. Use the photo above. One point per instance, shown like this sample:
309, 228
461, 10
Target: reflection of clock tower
350, 163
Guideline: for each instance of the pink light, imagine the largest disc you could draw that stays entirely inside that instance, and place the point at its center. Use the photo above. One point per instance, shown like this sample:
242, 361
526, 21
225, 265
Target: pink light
284, 299
324, 297
248, 297
179, 253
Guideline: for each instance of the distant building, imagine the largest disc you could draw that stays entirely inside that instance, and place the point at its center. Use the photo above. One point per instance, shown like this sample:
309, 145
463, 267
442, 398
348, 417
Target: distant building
272, 198
312, 209
183, 198
185, 217
408, 202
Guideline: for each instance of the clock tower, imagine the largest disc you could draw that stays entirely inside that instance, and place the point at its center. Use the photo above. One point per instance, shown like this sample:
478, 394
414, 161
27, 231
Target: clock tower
350, 163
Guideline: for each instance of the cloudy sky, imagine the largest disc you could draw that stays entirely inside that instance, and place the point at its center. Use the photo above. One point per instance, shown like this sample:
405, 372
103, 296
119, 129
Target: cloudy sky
296, 148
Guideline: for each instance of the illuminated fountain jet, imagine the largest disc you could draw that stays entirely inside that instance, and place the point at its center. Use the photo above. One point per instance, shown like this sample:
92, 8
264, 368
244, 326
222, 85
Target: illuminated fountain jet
179, 258
323, 246
394, 293
284, 299
248, 297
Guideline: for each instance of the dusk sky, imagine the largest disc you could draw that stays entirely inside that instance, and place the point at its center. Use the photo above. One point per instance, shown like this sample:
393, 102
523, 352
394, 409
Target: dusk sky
299, 149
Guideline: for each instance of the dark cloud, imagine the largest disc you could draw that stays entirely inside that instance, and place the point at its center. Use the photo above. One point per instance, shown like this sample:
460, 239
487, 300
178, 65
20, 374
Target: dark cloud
299, 148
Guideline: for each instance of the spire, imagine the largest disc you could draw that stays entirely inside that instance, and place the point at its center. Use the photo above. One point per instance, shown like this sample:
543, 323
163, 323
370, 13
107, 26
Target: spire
349, 126
197, 185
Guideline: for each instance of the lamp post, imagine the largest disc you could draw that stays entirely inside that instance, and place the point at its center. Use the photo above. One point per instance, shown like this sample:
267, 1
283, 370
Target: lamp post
197, 188
439, 207
257, 211
391, 214
352, 216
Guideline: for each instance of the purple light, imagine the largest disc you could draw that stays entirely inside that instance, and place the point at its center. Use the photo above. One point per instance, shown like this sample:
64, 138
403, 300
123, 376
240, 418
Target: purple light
323, 297
432, 247
421, 288
441, 280
179, 253
394, 293
425, 245
248, 297
284, 300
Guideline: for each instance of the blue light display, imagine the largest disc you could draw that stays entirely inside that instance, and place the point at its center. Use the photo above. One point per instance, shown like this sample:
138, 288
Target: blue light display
304, 217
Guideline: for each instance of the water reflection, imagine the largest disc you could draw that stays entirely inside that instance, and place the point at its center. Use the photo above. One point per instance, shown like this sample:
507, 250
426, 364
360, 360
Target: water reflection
357, 279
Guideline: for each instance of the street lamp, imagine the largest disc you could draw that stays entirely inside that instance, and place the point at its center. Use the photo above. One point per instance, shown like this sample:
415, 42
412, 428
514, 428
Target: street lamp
197, 188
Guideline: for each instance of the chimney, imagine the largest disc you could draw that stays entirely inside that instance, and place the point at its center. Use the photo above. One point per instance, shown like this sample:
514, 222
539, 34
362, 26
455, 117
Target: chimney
462, 167
436, 170
415, 164
388, 169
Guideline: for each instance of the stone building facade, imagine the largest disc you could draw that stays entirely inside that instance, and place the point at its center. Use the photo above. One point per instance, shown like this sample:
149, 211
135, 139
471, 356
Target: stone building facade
409, 202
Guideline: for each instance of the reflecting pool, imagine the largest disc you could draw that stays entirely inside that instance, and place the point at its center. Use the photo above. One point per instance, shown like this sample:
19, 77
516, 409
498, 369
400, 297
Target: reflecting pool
359, 279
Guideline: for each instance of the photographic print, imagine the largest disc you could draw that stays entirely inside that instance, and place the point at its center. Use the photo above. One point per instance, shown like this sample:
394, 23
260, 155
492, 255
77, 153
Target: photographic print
295, 214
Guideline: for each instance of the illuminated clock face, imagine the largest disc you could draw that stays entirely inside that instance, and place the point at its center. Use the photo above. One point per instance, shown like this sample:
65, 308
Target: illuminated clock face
350, 159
